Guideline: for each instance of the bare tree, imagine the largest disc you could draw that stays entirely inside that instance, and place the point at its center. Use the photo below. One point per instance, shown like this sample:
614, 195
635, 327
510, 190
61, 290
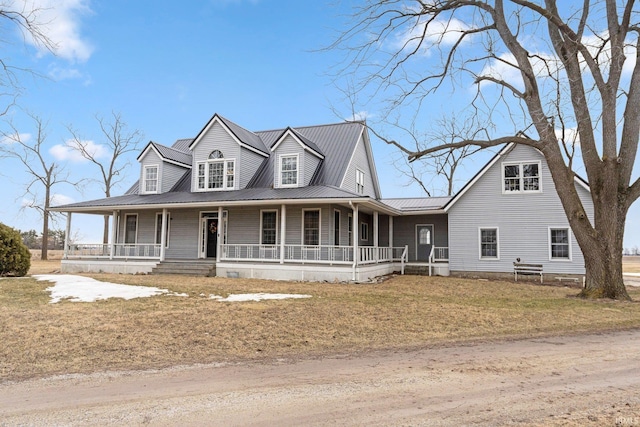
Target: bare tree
43, 175
119, 141
426, 170
26, 19
544, 69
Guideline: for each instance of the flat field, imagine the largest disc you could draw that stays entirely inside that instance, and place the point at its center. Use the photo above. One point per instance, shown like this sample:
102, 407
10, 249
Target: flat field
404, 312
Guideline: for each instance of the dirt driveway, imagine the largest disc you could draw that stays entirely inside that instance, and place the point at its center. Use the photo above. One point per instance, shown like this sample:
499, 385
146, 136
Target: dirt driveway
576, 380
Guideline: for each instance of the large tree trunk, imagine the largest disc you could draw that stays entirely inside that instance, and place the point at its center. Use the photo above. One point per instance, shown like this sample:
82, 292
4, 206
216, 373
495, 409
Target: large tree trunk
604, 272
602, 249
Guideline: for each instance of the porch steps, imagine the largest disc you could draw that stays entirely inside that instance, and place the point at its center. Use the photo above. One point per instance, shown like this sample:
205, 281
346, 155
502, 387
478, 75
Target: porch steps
189, 268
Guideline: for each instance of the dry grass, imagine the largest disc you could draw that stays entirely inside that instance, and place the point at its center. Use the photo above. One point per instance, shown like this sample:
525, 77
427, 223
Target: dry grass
40, 339
631, 264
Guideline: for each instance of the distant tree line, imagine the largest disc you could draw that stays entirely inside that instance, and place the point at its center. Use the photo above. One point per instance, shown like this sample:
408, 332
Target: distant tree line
631, 251
33, 240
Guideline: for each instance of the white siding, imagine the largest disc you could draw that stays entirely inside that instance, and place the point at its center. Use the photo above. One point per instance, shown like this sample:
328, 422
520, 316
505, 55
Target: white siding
359, 161
523, 221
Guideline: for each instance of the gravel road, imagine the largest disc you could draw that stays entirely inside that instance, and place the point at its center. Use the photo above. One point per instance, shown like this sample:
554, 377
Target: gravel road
575, 380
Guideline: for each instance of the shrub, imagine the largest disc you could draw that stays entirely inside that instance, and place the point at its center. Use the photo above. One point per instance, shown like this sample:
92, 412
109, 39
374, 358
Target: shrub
15, 258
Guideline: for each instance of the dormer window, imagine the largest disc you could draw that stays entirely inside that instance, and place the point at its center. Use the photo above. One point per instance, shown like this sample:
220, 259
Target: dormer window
217, 173
151, 179
289, 170
359, 181
521, 177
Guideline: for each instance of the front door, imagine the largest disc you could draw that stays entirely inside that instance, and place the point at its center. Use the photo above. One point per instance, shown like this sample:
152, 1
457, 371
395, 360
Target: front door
424, 242
212, 237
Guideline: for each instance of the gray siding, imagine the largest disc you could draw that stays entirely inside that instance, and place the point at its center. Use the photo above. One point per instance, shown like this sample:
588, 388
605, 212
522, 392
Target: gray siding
249, 163
217, 138
523, 222
307, 162
360, 160
404, 231
150, 159
170, 174
184, 226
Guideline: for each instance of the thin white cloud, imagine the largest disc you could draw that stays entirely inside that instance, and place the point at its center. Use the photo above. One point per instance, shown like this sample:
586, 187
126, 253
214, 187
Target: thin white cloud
360, 116
570, 136
60, 21
61, 199
64, 152
438, 33
11, 139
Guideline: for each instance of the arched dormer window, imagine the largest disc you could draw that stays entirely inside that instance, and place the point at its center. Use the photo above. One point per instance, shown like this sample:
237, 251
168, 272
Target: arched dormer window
216, 154
216, 173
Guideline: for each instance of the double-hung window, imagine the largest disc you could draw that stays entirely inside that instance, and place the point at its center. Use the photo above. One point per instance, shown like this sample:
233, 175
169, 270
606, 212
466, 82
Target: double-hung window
521, 177
289, 170
269, 227
559, 244
151, 179
364, 231
216, 173
130, 228
489, 243
359, 181
311, 227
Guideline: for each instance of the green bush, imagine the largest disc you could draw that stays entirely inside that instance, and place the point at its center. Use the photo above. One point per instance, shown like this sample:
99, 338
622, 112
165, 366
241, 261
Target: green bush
15, 258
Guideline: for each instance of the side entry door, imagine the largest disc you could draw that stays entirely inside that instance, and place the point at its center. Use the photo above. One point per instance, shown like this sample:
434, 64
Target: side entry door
424, 242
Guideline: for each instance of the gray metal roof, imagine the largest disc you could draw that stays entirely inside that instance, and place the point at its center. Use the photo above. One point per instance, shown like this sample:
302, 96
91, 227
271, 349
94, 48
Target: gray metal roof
173, 154
186, 197
335, 141
306, 141
246, 136
417, 203
182, 145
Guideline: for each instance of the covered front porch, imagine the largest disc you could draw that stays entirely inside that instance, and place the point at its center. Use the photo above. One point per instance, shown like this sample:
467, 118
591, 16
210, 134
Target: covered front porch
329, 242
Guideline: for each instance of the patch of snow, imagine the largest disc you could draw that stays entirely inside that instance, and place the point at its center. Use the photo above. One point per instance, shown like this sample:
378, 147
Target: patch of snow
255, 297
85, 289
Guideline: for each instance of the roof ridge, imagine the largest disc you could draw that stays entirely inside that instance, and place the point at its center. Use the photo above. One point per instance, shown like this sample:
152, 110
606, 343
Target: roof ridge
311, 126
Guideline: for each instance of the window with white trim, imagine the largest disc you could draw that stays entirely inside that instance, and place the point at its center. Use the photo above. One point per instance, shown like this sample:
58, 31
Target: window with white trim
268, 227
151, 179
359, 181
488, 243
159, 230
336, 227
559, 244
289, 170
521, 177
311, 227
131, 228
217, 173
364, 231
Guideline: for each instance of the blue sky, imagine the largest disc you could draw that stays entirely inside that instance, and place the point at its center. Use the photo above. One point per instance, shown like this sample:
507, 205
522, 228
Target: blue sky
168, 67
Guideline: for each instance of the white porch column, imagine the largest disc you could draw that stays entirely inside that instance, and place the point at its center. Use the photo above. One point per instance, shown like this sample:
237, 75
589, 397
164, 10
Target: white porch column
67, 231
115, 220
283, 231
356, 235
390, 231
375, 229
163, 234
220, 234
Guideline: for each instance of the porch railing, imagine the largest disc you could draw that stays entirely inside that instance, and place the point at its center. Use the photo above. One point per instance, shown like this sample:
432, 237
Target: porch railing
437, 254
322, 254
120, 250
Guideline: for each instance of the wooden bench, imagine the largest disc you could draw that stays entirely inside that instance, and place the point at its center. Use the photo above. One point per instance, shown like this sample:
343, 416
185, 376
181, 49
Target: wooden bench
522, 268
